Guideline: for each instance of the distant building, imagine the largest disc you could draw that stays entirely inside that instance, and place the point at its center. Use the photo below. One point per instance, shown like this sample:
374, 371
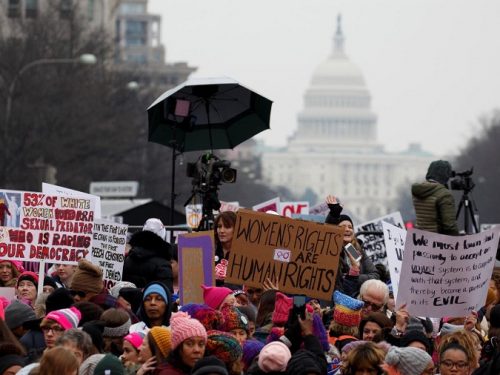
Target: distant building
335, 149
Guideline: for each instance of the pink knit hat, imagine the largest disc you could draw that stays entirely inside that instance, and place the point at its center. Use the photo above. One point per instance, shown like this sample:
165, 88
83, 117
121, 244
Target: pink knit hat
67, 318
274, 357
135, 339
282, 308
184, 327
15, 263
214, 295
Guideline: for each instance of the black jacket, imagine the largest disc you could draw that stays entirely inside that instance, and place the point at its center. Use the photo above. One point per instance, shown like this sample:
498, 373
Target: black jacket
148, 260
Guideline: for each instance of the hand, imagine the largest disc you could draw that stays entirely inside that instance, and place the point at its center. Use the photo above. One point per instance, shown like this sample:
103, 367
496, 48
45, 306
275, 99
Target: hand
270, 285
470, 321
331, 199
354, 263
402, 318
147, 366
306, 325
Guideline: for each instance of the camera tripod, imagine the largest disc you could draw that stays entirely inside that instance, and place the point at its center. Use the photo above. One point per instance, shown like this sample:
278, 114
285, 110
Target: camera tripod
210, 202
469, 207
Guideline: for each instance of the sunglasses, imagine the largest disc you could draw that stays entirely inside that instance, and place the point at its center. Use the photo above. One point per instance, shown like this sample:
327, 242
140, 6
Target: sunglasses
78, 293
374, 306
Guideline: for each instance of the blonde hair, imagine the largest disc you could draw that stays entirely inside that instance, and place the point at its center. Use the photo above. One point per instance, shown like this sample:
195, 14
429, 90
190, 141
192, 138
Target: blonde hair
57, 361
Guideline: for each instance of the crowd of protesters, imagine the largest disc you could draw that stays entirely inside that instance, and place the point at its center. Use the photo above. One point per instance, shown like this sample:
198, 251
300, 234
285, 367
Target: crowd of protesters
138, 326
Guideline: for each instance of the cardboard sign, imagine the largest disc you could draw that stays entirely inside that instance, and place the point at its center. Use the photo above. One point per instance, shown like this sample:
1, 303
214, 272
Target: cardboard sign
270, 205
374, 245
394, 238
194, 215
108, 249
54, 228
229, 206
196, 265
445, 275
302, 256
288, 209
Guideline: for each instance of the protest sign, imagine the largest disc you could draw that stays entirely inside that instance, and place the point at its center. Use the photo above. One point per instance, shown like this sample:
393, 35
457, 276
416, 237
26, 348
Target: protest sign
290, 208
446, 275
373, 244
270, 205
229, 206
314, 218
320, 209
394, 238
54, 228
108, 249
9, 293
60, 190
193, 215
196, 253
301, 256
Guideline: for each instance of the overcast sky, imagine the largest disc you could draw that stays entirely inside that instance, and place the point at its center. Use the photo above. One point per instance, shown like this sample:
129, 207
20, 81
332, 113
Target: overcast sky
432, 66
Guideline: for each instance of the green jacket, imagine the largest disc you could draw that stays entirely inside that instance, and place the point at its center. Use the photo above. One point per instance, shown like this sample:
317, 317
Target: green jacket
435, 208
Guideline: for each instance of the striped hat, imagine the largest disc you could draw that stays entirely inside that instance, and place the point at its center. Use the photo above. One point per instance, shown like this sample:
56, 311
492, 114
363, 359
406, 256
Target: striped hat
347, 310
184, 327
67, 318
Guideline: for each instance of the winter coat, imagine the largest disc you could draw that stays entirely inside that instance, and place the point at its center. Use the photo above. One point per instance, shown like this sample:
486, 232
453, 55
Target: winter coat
435, 208
351, 285
148, 260
34, 343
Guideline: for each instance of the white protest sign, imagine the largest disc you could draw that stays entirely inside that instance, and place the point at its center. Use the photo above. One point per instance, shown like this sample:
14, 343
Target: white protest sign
394, 238
59, 190
290, 208
319, 209
229, 206
446, 275
193, 215
373, 244
108, 249
270, 205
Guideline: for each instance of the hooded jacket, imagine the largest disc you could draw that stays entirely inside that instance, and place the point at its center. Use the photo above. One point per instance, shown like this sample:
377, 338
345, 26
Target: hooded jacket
148, 260
141, 314
434, 204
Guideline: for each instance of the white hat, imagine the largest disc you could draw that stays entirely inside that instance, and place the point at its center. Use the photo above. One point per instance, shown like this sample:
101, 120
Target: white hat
156, 226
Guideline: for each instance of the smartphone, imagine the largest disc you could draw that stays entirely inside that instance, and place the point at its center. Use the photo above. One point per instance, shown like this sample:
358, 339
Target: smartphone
299, 306
352, 250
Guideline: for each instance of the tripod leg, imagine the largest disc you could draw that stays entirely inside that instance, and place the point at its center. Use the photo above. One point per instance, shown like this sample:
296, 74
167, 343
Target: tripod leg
473, 218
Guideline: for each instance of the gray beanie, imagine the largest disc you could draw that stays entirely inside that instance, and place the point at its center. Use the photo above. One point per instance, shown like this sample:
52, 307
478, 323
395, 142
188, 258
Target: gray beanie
18, 313
414, 324
409, 361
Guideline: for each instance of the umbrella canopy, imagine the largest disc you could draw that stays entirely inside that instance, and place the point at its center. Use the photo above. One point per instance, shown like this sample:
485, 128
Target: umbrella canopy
207, 114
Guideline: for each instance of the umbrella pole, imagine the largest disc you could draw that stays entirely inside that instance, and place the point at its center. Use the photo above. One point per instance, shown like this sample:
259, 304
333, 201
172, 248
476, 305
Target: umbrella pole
172, 190
207, 107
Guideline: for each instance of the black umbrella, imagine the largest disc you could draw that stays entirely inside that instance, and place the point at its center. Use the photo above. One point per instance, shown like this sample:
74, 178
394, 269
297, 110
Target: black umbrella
206, 114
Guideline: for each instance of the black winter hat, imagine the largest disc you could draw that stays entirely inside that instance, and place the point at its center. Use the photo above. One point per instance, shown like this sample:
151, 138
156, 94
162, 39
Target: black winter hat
49, 281
209, 365
59, 299
415, 335
132, 296
303, 362
440, 171
337, 220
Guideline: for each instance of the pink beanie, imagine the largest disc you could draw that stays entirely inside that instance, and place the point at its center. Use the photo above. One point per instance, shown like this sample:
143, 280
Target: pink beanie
282, 308
67, 318
274, 357
184, 327
214, 295
15, 263
135, 339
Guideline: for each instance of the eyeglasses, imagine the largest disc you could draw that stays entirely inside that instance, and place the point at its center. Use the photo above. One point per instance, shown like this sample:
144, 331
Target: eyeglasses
78, 293
374, 306
54, 329
450, 364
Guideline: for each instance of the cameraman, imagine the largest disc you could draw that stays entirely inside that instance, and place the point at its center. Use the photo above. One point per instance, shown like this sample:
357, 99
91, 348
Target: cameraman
434, 204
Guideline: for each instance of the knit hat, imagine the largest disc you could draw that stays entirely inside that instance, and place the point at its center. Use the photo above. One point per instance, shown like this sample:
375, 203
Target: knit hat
439, 171
209, 365
9, 360
251, 348
135, 338
304, 362
414, 324
155, 288
88, 366
377, 317
347, 311
495, 316
89, 310
67, 318
274, 357
352, 345
132, 296
184, 327
109, 365
59, 299
415, 335
30, 276
224, 346
282, 308
115, 290
409, 361
118, 331
163, 338
87, 278
210, 318
214, 295
337, 220
156, 226
233, 319
18, 313
15, 263
49, 281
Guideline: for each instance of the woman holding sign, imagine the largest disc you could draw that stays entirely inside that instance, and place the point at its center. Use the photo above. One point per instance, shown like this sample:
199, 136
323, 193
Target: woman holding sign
354, 266
223, 233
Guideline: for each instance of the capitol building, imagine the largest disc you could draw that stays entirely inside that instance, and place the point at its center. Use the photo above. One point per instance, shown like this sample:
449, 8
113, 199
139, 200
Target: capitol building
335, 148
